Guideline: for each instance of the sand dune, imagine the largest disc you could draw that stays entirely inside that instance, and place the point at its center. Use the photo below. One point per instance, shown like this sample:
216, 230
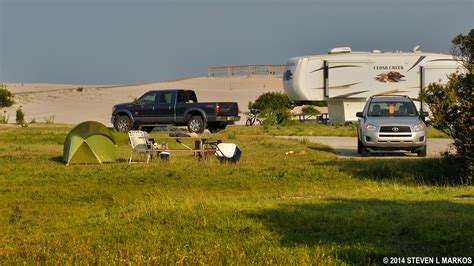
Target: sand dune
69, 105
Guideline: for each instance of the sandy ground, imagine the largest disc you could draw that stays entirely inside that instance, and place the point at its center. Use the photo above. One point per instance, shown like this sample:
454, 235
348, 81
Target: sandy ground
347, 146
71, 106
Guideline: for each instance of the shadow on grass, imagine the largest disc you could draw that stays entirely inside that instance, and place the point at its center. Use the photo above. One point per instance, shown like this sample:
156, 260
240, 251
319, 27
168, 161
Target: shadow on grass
320, 148
57, 159
352, 152
428, 171
365, 231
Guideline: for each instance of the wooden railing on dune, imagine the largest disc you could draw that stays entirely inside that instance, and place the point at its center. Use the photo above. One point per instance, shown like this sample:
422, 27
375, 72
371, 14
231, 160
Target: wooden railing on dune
246, 70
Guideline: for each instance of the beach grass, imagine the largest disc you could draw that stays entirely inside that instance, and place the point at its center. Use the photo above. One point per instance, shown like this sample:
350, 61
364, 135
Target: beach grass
269, 208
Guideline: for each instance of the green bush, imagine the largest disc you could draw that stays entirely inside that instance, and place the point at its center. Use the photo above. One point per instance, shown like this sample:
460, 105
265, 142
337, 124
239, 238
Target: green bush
20, 117
4, 118
6, 97
277, 117
274, 108
452, 105
308, 109
271, 101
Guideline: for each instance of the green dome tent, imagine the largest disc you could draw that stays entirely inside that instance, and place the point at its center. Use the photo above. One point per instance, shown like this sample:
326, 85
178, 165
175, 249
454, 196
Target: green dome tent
89, 142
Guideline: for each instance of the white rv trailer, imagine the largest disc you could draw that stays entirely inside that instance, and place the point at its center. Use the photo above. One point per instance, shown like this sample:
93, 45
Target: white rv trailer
345, 79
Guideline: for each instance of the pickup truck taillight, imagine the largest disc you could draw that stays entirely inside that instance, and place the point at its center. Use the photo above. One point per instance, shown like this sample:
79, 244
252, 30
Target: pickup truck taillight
217, 109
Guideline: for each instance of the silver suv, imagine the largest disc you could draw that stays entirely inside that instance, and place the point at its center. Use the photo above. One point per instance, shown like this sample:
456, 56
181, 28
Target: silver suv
391, 123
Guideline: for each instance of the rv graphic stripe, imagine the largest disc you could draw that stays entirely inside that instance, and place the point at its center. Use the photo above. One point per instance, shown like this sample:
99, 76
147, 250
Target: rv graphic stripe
321, 68
344, 86
437, 60
349, 94
417, 62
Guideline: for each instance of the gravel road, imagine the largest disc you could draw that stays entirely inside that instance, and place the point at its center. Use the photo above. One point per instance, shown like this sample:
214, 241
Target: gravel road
347, 146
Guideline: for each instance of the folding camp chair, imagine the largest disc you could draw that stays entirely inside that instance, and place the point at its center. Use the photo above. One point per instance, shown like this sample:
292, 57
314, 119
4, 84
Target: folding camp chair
140, 144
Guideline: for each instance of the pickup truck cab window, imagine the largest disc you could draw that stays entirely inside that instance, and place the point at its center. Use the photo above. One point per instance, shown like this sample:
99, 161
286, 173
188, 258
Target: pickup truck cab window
187, 97
165, 98
147, 99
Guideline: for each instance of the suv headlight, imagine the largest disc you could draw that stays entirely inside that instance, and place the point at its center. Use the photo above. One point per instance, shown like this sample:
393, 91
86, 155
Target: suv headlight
370, 127
419, 127
114, 108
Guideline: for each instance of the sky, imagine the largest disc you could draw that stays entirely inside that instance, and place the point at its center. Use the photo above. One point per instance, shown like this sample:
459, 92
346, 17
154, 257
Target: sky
134, 41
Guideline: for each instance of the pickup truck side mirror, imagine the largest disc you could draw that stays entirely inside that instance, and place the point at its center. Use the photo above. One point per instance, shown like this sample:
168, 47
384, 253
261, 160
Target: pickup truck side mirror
137, 102
360, 114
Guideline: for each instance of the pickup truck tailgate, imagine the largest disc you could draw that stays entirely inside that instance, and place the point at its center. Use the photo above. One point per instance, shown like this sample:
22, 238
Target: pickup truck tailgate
228, 109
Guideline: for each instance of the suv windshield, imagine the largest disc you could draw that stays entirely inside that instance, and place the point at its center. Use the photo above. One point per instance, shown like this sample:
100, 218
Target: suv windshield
392, 108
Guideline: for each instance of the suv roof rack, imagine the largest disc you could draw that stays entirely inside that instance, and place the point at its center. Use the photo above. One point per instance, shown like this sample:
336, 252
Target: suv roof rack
391, 95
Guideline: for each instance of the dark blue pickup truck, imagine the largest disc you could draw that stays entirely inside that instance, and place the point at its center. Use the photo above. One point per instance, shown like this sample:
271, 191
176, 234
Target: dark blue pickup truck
173, 107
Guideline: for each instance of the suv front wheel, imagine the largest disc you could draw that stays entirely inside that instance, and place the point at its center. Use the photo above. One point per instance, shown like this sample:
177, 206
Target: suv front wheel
422, 152
361, 149
360, 146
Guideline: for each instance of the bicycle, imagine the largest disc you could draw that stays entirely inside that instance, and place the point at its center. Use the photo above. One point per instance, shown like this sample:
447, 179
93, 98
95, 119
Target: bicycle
252, 119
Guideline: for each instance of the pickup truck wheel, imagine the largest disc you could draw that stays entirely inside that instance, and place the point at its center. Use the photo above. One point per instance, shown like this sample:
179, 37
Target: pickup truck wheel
196, 124
122, 124
422, 151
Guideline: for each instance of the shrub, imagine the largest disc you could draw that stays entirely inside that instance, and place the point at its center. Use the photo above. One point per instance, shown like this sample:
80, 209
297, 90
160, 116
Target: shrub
4, 118
6, 97
274, 108
269, 118
309, 110
277, 117
271, 101
50, 120
452, 105
20, 117
33, 120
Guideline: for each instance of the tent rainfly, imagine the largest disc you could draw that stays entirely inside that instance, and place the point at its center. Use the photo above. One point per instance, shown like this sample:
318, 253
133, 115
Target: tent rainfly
89, 142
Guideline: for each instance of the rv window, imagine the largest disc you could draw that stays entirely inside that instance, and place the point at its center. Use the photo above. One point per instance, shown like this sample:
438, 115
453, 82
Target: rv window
392, 109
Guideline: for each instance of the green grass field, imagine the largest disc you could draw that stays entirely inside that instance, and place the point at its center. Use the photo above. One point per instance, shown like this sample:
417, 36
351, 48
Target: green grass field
270, 208
298, 129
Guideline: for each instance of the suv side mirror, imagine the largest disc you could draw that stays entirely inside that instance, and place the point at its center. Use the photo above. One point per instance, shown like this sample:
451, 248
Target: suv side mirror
424, 114
360, 114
